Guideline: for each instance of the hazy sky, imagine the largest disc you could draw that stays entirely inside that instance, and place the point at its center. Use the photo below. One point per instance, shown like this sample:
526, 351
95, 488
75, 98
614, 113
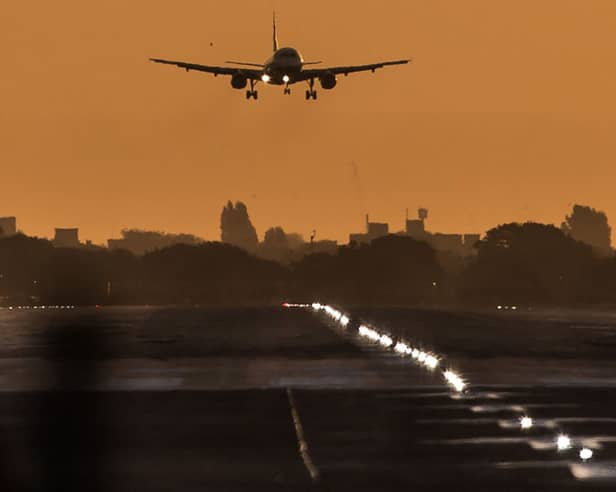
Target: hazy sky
507, 114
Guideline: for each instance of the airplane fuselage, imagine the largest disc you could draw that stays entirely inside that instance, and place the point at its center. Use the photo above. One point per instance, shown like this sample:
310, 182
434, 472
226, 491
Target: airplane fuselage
283, 67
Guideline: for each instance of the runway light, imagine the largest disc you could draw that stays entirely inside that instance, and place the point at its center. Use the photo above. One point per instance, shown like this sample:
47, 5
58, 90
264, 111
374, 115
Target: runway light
401, 348
431, 362
454, 380
364, 331
344, 320
286, 79
265, 78
586, 454
563, 442
385, 341
526, 423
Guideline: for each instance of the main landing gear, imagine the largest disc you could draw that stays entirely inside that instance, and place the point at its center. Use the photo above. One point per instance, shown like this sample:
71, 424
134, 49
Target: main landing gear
252, 92
311, 93
287, 90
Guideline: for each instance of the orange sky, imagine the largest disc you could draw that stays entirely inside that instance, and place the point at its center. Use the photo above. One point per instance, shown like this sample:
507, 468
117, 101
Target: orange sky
508, 113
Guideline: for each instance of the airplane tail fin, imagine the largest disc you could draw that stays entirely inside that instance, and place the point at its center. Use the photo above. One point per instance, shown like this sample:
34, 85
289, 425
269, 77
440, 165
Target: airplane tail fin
275, 34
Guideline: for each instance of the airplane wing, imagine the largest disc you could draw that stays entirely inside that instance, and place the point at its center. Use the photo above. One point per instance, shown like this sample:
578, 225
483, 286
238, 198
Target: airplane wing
248, 73
317, 72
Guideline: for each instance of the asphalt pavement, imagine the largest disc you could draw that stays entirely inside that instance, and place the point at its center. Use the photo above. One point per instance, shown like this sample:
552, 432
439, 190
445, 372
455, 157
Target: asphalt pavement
285, 399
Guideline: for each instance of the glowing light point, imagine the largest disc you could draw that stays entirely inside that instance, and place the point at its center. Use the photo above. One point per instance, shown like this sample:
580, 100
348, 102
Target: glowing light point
586, 454
431, 362
563, 442
401, 348
526, 422
265, 78
344, 320
454, 380
286, 79
385, 341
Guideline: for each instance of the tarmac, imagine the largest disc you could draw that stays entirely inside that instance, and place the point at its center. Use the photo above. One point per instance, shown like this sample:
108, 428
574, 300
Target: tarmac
286, 400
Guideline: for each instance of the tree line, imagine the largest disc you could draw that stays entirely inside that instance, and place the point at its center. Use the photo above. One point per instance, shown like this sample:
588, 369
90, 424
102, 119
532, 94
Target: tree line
523, 264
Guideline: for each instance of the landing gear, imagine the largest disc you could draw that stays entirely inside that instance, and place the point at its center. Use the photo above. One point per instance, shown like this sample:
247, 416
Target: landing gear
287, 90
311, 93
252, 92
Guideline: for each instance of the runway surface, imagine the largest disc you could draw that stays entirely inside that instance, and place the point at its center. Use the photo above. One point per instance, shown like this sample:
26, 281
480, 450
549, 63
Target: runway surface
275, 399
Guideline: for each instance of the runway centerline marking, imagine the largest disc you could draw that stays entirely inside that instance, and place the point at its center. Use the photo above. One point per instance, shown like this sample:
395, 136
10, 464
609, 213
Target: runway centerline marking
302, 444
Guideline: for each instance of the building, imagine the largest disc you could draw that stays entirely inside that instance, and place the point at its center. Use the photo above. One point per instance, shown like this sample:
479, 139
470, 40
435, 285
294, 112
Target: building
66, 238
451, 243
374, 230
8, 226
461, 244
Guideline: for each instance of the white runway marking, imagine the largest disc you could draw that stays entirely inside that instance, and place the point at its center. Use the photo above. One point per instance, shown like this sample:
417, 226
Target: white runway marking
301, 439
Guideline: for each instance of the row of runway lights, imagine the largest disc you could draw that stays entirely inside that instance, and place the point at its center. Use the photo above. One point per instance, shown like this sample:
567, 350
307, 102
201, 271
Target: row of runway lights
430, 362
25, 308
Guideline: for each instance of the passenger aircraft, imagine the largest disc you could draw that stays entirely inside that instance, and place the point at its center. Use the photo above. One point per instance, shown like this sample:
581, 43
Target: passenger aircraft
285, 67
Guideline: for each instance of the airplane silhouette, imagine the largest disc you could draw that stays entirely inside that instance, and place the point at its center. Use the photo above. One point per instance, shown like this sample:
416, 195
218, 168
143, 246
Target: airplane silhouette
285, 67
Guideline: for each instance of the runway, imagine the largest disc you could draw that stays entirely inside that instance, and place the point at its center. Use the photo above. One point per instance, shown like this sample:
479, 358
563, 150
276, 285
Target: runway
215, 404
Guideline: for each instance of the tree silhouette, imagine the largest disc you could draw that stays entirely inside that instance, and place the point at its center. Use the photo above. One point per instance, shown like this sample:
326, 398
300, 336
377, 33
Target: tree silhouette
236, 228
529, 263
589, 226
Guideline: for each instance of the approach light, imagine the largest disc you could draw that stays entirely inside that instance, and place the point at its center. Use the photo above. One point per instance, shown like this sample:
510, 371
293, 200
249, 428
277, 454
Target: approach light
563, 442
526, 423
586, 454
265, 78
286, 79
401, 348
386, 341
454, 380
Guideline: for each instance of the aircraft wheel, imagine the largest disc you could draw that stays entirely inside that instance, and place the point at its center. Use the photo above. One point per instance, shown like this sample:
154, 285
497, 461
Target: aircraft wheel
314, 95
255, 94
308, 95
248, 94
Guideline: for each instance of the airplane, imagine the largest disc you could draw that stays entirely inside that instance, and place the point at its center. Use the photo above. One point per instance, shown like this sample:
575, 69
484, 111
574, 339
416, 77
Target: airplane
285, 67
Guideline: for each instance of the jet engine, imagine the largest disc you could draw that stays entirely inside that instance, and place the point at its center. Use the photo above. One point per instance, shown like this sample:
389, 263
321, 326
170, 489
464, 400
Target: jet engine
328, 81
239, 81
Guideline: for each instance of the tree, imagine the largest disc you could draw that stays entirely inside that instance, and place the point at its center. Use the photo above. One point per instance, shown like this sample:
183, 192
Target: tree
236, 228
529, 263
589, 226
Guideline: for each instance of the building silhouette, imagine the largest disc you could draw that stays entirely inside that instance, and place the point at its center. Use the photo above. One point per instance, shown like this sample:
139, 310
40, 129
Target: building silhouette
140, 242
461, 244
374, 230
66, 238
8, 226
